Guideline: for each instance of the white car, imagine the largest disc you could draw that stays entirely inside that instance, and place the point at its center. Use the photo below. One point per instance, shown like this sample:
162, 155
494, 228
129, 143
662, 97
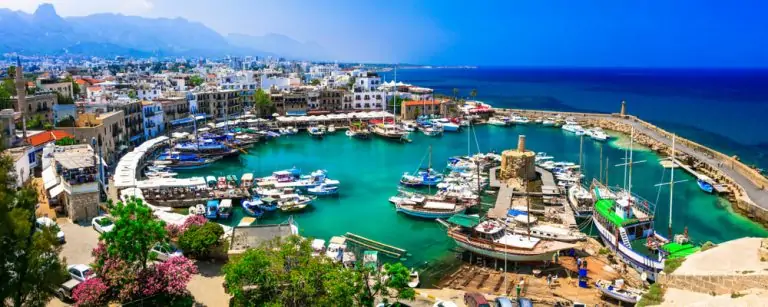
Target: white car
43, 222
102, 224
80, 272
165, 251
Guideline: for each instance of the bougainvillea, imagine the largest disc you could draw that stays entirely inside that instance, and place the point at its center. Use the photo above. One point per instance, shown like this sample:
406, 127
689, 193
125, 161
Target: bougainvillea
173, 230
193, 220
92, 292
169, 277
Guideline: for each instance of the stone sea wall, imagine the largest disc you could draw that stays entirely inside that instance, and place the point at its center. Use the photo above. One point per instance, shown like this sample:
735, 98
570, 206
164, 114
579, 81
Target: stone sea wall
736, 193
715, 284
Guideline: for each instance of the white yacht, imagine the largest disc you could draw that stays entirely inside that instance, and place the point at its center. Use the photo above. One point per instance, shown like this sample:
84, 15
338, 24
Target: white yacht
499, 121
573, 128
597, 134
520, 119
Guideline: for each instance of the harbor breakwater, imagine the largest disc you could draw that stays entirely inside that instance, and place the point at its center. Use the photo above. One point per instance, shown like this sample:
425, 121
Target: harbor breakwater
745, 185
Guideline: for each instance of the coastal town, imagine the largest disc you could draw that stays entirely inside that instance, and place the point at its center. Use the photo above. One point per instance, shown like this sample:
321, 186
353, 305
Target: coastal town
94, 137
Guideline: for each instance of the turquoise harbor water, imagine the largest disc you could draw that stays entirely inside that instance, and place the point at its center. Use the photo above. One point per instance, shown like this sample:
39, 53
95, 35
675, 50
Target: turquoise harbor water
369, 172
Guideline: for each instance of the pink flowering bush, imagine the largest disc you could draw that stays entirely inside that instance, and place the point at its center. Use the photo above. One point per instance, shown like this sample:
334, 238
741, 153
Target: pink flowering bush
92, 292
194, 220
169, 277
173, 230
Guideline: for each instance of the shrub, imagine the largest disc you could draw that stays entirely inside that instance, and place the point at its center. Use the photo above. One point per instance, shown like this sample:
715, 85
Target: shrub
200, 241
707, 245
168, 277
670, 265
91, 292
193, 220
654, 296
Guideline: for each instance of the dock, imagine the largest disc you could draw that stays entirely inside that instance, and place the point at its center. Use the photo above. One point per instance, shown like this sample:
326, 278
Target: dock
719, 188
389, 250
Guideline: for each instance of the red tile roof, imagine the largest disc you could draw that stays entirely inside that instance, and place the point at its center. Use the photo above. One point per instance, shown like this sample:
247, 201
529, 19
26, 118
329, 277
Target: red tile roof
411, 103
47, 136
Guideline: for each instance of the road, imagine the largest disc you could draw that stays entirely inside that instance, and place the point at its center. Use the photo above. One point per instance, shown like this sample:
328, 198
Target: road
757, 195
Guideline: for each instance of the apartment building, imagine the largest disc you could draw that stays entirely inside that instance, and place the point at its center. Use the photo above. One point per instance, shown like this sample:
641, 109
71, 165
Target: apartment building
108, 129
218, 104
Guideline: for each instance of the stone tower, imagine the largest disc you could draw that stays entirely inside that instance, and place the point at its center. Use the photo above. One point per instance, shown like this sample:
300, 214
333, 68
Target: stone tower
21, 95
623, 108
518, 163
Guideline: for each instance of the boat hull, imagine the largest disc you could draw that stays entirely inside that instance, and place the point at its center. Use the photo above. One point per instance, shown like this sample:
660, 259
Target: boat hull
624, 298
705, 186
638, 261
508, 256
427, 214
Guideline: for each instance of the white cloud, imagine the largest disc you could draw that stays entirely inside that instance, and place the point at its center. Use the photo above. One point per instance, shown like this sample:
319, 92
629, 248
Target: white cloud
84, 7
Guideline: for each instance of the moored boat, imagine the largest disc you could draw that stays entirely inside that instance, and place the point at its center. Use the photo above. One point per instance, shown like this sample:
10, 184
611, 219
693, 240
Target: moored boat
704, 185
323, 189
499, 121
225, 208
413, 279
252, 207
316, 131
389, 132
331, 129
431, 209
212, 209
432, 131
596, 134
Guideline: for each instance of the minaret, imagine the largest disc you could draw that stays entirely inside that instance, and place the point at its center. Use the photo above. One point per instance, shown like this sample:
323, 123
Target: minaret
21, 96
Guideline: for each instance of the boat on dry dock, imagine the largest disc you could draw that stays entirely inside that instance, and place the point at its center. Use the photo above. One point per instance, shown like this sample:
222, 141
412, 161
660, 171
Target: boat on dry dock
490, 238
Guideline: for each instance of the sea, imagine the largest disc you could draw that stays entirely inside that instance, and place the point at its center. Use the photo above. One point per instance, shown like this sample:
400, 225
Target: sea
369, 170
724, 109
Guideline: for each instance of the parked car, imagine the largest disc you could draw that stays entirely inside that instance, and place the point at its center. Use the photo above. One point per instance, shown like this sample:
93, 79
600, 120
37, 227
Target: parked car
43, 222
505, 302
474, 299
165, 251
64, 292
80, 272
444, 304
102, 224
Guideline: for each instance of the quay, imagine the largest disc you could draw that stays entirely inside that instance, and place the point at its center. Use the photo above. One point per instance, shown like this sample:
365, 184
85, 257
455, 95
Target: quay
746, 186
719, 188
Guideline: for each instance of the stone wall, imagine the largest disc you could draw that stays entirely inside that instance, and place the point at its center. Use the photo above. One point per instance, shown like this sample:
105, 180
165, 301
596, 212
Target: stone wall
83, 206
715, 284
517, 165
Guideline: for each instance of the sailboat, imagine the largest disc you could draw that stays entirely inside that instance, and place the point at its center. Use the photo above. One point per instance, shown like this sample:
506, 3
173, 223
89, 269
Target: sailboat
622, 217
423, 177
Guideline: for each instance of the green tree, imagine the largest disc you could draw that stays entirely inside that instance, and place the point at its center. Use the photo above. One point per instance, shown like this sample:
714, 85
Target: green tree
196, 80
65, 141
473, 93
315, 82
33, 268
75, 86
398, 277
61, 99
200, 241
135, 232
263, 102
455, 93
132, 94
5, 99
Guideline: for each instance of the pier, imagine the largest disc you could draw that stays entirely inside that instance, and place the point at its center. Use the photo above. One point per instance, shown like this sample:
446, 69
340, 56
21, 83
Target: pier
389, 250
719, 188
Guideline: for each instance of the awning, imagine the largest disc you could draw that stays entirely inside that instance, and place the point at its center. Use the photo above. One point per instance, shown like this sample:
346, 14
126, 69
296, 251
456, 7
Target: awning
295, 113
57, 190
182, 121
467, 221
49, 178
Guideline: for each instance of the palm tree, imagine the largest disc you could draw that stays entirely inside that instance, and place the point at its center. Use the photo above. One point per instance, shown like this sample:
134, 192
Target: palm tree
455, 93
473, 93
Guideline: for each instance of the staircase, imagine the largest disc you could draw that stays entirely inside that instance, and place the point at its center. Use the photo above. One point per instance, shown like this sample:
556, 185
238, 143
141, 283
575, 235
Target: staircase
624, 237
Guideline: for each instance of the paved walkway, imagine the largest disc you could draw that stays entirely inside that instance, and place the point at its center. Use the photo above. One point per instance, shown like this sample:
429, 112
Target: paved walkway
757, 195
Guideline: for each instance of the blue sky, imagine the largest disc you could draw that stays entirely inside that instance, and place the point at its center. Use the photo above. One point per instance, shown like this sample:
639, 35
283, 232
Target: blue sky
681, 33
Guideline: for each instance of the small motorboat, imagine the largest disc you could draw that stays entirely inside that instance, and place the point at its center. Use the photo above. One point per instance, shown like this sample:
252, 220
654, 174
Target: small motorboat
705, 185
212, 209
198, 209
288, 130
414, 281
252, 207
617, 290
323, 189
225, 208
268, 204
496, 121
331, 129
318, 247
316, 131
432, 131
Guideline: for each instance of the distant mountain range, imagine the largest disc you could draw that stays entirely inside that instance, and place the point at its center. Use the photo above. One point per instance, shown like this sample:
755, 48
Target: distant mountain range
45, 32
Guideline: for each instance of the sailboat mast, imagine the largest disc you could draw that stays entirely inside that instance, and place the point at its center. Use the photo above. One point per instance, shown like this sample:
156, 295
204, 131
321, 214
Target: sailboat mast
581, 155
626, 159
629, 182
671, 186
601, 163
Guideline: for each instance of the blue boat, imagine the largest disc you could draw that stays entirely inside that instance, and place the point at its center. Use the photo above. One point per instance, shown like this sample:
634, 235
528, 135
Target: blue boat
212, 209
176, 160
252, 207
225, 208
324, 190
705, 186
268, 204
422, 178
